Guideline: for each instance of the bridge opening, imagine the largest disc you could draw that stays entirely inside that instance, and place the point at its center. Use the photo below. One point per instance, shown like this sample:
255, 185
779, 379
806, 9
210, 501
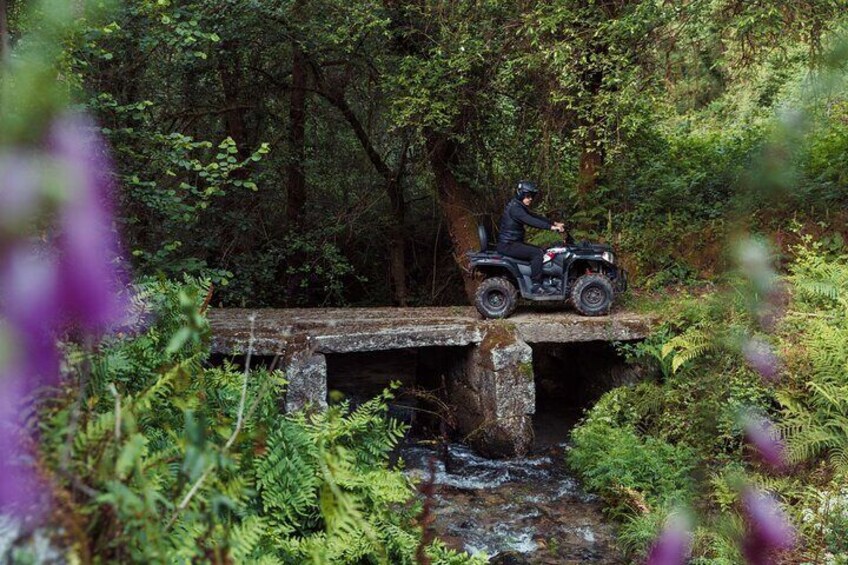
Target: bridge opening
423, 373
570, 378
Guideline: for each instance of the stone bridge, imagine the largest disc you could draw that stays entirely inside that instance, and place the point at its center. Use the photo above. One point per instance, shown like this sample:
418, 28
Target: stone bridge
491, 384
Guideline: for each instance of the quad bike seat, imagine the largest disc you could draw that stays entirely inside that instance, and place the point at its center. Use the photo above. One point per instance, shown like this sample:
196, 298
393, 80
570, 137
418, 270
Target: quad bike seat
490, 247
485, 246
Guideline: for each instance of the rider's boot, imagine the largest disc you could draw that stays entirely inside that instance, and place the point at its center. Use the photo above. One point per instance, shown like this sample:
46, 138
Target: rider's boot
539, 290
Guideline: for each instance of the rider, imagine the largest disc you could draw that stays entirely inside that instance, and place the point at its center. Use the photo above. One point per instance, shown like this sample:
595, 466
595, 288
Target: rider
516, 215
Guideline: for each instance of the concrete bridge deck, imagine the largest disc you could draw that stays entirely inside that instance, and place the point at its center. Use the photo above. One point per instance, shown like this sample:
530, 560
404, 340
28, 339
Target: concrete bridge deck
347, 330
491, 385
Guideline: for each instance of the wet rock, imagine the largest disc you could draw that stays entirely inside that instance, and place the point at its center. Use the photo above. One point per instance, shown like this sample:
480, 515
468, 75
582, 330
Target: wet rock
508, 558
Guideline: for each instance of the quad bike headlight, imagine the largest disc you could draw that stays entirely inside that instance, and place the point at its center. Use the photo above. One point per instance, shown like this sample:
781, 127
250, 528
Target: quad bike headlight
608, 256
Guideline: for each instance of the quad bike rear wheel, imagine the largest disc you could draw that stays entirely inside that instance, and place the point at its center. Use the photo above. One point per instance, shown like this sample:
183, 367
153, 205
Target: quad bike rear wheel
496, 297
592, 295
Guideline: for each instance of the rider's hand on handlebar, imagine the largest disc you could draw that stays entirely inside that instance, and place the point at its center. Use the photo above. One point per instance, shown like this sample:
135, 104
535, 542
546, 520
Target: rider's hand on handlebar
558, 226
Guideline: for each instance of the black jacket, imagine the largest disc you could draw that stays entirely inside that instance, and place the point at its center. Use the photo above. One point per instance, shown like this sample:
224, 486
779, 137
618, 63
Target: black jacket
516, 215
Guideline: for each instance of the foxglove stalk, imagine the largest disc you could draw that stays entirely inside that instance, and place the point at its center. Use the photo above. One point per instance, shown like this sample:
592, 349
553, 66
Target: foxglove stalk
761, 435
761, 358
30, 287
18, 485
44, 287
19, 191
767, 529
88, 244
672, 547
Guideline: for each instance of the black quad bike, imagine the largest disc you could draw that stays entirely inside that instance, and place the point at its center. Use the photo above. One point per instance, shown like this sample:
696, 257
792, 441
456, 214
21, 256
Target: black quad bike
583, 273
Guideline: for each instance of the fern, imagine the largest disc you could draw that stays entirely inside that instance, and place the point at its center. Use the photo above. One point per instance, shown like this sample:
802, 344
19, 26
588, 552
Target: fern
688, 346
246, 537
815, 418
290, 488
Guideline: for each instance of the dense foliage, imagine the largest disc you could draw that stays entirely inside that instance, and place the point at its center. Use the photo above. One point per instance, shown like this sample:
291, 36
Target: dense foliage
642, 447
316, 152
166, 459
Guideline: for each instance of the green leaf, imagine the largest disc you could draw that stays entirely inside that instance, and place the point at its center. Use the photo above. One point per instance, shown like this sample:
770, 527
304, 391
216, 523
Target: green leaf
178, 340
132, 451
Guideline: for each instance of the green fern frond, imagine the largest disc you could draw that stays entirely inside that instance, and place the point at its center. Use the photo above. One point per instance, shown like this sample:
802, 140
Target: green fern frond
688, 346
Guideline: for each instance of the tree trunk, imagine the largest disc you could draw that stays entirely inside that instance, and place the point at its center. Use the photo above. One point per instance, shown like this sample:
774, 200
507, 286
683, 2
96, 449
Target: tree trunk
297, 136
455, 200
4, 32
228, 68
591, 160
394, 187
397, 240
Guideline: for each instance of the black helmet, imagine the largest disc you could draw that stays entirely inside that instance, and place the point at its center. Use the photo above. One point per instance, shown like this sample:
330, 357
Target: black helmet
526, 188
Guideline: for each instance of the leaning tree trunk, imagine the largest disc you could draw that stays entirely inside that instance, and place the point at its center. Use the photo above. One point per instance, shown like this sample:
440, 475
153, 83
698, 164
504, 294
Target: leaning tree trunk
455, 200
394, 187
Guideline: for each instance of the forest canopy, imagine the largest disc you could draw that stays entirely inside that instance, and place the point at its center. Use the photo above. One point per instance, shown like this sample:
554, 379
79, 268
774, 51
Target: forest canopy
314, 152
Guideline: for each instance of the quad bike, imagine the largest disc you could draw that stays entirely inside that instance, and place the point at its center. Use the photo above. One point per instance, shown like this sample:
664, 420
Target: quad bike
583, 273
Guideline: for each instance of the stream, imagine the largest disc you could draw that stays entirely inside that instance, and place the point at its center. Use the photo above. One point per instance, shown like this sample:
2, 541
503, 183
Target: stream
517, 511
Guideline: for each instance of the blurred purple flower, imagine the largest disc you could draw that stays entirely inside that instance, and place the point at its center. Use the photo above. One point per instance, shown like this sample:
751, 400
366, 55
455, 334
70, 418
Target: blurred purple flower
768, 530
88, 245
28, 308
760, 433
42, 289
761, 358
18, 482
29, 285
672, 547
755, 262
19, 194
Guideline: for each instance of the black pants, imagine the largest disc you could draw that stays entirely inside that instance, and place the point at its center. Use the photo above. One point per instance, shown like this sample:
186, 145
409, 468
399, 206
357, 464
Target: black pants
525, 252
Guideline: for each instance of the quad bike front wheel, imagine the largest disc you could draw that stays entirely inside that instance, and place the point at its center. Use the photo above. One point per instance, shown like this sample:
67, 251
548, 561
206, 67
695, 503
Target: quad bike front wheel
592, 295
496, 297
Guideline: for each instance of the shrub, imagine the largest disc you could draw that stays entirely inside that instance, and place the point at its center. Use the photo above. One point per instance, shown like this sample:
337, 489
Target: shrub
614, 460
165, 459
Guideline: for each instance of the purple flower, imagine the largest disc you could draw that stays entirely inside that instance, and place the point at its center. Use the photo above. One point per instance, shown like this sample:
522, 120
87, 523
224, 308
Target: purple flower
18, 482
672, 547
760, 433
28, 360
761, 358
19, 191
88, 244
29, 286
768, 530
42, 289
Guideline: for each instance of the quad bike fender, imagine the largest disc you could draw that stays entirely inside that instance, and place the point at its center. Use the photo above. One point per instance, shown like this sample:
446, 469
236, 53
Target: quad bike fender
493, 266
595, 263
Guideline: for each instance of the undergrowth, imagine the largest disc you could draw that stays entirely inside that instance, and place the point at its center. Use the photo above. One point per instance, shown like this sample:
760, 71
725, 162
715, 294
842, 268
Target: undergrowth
152, 455
676, 441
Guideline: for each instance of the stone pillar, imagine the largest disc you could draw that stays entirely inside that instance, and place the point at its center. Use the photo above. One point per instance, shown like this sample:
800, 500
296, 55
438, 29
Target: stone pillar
306, 372
495, 395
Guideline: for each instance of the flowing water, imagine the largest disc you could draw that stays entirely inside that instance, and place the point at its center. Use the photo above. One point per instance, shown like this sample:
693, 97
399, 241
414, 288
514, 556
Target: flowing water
516, 511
